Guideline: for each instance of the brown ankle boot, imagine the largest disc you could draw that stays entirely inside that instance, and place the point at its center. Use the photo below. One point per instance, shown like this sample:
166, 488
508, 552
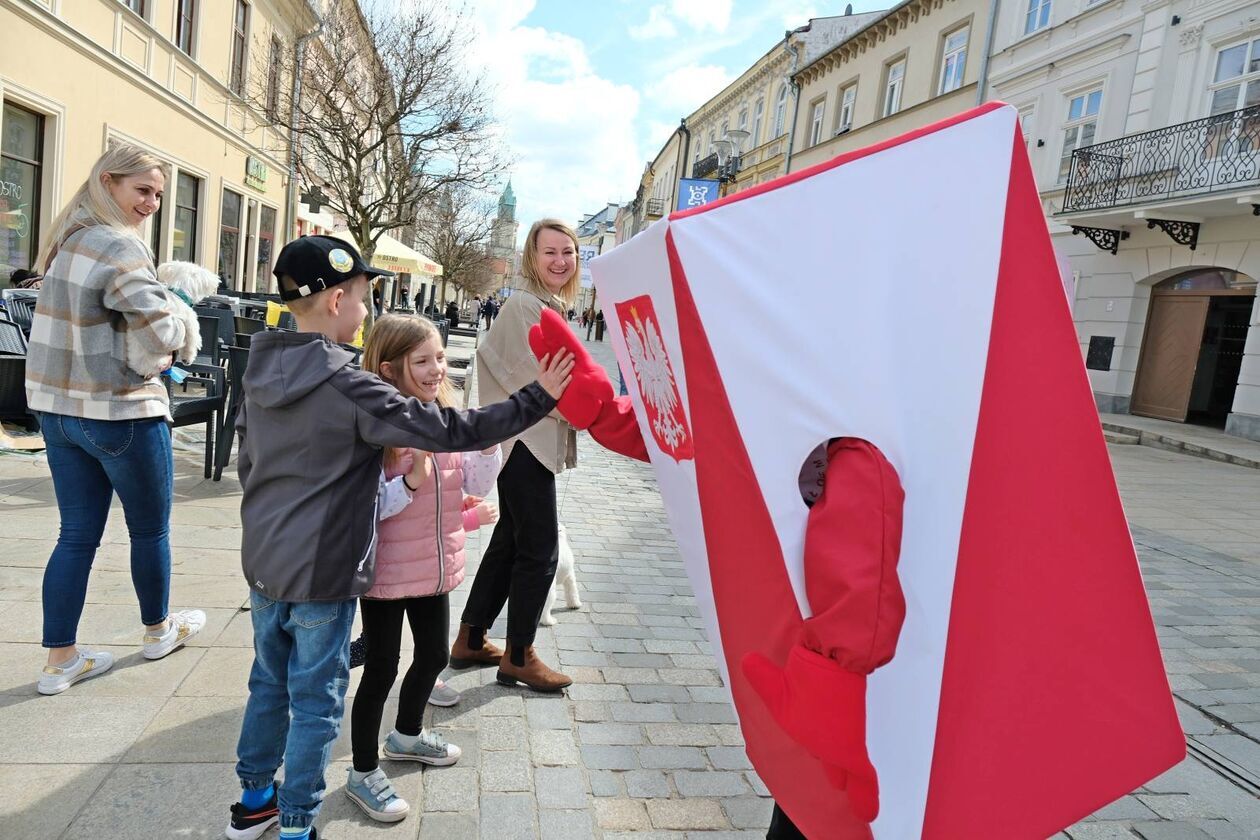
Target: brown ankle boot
463, 656
535, 674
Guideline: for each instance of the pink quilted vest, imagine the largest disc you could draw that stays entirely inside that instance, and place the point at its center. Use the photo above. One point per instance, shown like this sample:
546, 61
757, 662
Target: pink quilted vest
420, 551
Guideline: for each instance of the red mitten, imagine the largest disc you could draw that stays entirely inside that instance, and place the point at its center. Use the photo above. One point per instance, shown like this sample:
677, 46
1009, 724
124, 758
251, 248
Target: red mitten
822, 707
617, 429
590, 387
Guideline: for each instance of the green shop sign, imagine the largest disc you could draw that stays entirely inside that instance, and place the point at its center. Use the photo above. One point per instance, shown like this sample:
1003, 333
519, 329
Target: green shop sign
255, 173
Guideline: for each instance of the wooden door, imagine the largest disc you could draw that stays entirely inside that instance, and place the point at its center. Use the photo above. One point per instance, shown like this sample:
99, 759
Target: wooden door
1170, 354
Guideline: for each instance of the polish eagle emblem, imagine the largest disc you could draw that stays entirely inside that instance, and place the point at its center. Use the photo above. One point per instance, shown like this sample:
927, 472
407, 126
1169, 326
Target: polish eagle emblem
655, 375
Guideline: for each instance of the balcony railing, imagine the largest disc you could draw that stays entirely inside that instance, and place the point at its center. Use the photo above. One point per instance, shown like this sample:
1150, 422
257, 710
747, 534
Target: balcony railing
705, 166
656, 207
1202, 156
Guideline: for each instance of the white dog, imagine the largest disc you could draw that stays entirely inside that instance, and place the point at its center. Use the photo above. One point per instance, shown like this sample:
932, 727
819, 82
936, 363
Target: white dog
189, 283
566, 577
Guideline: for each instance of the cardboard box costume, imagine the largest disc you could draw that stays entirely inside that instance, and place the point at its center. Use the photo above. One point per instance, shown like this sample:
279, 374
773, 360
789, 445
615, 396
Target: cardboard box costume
903, 298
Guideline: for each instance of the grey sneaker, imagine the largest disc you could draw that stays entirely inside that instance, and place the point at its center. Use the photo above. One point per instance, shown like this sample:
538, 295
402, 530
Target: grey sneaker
429, 748
375, 794
180, 628
55, 679
443, 695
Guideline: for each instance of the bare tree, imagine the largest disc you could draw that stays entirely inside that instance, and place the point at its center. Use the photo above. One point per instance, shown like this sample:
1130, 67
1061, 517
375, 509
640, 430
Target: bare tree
455, 231
387, 117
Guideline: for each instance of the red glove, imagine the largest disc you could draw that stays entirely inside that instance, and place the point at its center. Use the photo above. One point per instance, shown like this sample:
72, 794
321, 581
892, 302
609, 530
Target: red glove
590, 387
822, 707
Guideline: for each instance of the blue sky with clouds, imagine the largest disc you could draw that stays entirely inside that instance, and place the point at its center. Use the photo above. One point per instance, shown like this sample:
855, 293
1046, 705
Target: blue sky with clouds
587, 93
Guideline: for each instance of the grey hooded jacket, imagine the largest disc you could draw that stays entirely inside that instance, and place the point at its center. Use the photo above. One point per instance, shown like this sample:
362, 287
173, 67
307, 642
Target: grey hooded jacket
313, 432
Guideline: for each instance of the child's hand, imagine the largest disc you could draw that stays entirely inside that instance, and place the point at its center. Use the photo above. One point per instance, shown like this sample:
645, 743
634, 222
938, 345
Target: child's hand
421, 468
555, 372
487, 513
491, 450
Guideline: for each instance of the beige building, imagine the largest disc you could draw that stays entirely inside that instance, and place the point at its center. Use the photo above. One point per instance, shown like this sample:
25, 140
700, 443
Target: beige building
658, 188
916, 64
170, 76
755, 112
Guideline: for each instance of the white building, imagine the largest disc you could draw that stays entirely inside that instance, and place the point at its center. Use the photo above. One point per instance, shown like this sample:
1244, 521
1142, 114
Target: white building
1142, 122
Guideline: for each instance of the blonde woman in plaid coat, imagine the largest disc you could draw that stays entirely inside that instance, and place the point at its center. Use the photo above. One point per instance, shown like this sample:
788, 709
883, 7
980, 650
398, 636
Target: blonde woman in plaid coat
105, 425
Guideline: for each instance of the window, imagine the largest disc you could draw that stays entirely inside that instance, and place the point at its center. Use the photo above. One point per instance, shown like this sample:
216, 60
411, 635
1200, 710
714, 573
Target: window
230, 237
892, 89
184, 17
137, 6
187, 200
758, 113
780, 110
266, 241
726, 128
1080, 128
712, 141
273, 78
156, 223
743, 120
21, 170
239, 23
1236, 82
954, 60
844, 119
816, 122
1038, 15
1025, 121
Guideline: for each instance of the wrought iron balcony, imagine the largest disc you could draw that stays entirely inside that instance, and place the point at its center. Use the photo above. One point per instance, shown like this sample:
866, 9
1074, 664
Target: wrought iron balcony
705, 166
1202, 156
655, 207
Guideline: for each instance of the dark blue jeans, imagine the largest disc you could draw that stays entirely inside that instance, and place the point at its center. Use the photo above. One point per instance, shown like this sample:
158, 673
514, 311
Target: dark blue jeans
297, 693
91, 460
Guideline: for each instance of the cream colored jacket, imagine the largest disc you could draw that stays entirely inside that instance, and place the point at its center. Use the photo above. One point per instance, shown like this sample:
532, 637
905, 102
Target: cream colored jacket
505, 364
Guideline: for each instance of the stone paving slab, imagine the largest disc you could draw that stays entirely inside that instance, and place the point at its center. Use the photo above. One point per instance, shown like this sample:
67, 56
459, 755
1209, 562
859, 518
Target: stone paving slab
643, 746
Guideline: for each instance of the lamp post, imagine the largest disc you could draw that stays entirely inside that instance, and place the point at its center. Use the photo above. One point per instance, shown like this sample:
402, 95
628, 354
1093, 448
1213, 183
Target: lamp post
728, 151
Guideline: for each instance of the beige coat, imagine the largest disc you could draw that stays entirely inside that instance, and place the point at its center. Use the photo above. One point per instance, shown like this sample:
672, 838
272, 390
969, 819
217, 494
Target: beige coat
505, 364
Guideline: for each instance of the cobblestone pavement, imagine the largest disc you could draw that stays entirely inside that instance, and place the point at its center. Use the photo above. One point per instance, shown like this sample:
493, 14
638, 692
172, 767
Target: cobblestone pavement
643, 745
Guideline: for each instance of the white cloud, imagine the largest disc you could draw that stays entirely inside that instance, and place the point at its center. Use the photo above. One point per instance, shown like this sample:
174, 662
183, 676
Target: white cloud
703, 14
571, 131
658, 25
686, 88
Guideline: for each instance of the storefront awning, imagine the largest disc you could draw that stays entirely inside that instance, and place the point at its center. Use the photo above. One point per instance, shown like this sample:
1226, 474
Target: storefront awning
394, 256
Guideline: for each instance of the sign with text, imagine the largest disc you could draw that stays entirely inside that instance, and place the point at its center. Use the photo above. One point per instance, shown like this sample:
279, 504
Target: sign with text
696, 192
255, 173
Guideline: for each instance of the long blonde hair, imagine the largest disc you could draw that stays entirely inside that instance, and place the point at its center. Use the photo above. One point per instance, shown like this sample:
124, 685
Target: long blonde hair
92, 203
529, 269
392, 338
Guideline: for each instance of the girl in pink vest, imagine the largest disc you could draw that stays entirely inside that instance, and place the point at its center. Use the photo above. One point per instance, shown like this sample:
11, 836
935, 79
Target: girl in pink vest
419, 560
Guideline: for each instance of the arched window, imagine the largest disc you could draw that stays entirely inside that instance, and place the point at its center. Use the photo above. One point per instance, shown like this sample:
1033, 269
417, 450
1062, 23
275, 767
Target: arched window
758, 113
780, 110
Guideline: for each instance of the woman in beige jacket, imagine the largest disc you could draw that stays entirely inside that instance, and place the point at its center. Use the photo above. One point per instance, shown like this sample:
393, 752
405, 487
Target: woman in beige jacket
519, 563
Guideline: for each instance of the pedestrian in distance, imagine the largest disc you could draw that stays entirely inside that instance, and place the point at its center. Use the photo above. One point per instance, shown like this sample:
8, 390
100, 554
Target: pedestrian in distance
419, 560
519, 563
309, 523
105, 425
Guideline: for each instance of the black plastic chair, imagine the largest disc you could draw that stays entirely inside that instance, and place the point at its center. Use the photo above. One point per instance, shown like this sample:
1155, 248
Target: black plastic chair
287, 321
242, 340
21, 311
238, 360
227, 324
13, 392
250, 325
12, 339
205, 407
211, 347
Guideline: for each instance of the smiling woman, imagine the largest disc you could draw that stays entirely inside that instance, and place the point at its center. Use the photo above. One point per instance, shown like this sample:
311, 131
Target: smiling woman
104, 424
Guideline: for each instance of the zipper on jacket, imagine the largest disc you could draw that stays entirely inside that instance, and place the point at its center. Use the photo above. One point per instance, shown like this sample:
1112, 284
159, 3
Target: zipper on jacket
437, 483
376, 511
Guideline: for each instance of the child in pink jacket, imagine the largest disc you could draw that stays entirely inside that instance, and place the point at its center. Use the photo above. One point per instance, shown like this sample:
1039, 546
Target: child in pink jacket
428, 503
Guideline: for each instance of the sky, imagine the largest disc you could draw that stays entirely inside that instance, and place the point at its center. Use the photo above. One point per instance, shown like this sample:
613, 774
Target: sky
586, 93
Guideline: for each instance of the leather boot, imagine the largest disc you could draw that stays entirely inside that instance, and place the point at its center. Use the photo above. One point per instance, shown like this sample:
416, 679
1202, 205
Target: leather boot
463, 656
535, 674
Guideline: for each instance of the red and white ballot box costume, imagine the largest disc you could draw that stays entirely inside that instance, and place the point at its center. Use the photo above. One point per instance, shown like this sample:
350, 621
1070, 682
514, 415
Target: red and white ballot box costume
905, 295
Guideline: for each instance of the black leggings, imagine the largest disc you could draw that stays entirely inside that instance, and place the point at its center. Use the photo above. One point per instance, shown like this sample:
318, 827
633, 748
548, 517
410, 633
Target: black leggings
519, 564
430, 620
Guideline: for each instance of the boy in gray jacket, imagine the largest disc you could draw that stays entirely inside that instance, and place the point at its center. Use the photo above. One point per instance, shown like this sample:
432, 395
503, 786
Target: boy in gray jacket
313, 430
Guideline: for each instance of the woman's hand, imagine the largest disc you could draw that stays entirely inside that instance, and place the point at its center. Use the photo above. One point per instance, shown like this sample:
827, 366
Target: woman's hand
421, 468
555, 372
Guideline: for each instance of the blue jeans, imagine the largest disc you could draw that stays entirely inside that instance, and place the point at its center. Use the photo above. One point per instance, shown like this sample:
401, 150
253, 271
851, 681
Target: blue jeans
91, 460
301, 668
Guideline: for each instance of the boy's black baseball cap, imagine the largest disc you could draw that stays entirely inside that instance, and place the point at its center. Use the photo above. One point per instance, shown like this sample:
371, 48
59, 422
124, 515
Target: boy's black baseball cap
317, 262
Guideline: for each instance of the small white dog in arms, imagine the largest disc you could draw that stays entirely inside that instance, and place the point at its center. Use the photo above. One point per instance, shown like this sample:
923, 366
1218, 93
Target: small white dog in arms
566, 576
189, 283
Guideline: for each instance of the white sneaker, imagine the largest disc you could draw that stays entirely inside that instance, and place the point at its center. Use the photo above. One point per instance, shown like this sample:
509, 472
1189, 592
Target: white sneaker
180, 627
376, 796
443, 695
87, 664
